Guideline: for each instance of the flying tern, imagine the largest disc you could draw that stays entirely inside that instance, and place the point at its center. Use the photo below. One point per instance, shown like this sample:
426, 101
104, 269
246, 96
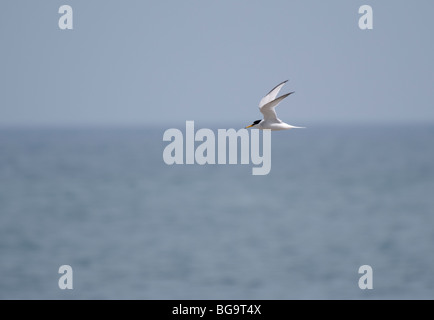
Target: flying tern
267, 107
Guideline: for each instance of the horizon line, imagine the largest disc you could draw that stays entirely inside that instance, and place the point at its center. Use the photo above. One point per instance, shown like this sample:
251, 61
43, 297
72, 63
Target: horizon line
202, 124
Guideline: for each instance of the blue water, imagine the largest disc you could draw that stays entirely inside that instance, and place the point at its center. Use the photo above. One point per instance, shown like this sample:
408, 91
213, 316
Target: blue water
131, 227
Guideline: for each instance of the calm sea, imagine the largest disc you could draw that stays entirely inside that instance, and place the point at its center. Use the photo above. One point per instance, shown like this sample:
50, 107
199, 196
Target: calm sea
131, 227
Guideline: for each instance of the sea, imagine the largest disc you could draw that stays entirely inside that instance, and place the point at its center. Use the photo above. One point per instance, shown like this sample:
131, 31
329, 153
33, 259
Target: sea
102, 201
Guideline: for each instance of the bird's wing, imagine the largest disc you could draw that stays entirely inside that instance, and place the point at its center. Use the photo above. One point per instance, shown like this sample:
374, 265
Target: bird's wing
268, 109
270, 96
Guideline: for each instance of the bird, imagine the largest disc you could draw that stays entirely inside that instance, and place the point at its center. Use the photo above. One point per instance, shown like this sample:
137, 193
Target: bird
267, 106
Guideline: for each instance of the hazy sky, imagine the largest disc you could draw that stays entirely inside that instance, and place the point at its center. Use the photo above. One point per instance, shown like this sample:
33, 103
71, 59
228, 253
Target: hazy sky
165, 62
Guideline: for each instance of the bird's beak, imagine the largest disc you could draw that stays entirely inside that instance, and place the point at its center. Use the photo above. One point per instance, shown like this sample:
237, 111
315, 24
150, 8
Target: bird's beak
249, 126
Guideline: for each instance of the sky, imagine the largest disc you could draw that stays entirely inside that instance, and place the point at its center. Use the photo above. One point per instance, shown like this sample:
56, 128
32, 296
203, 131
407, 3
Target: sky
164, 62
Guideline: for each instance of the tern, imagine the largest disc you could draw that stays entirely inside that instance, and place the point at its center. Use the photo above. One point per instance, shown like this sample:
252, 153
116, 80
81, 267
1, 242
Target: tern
267, 106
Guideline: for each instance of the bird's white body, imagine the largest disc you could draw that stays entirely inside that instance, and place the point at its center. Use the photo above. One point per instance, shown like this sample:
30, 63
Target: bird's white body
274, 126
267, 107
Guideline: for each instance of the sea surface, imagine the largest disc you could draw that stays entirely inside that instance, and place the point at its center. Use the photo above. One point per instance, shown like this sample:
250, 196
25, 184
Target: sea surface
103, 201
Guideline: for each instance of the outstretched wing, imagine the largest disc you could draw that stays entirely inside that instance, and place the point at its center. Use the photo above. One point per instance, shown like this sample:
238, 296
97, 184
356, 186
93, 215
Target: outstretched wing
270, 96
268, 109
